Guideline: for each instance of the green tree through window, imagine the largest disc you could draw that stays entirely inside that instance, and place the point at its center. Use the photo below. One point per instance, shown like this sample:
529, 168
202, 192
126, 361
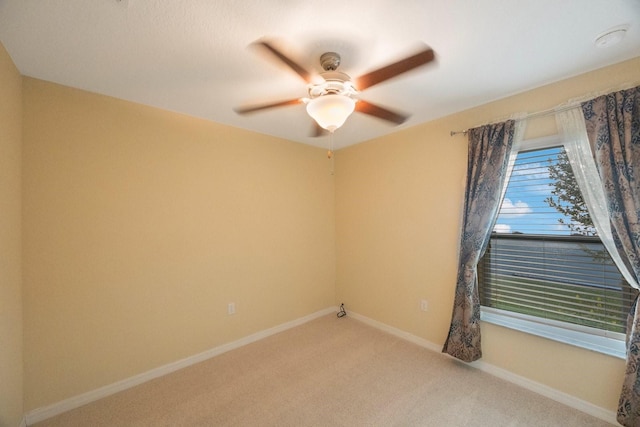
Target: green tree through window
568, 199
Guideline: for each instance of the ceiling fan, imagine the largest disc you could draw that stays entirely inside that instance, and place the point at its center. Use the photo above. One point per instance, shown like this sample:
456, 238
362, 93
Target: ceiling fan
333, 95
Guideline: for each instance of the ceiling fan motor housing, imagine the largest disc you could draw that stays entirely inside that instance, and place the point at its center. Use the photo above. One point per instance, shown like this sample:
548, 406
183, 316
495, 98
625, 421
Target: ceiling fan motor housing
330, 61
335, 83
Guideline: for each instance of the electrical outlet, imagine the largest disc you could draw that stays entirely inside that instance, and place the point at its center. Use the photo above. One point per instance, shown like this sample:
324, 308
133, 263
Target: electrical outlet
231, 308
424, 305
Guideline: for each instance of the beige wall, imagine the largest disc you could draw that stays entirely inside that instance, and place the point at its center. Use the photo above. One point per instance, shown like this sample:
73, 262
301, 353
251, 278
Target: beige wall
10, 242
141, 225
398, 208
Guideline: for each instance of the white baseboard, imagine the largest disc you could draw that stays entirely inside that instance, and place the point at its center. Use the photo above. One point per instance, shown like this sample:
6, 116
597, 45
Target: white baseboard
397, 332
558, 396
46, 412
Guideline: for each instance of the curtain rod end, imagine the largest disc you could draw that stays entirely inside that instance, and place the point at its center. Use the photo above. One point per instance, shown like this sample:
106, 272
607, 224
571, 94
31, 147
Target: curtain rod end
456, 132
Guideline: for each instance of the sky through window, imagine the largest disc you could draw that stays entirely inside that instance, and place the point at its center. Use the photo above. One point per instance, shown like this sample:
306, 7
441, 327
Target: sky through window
524, 209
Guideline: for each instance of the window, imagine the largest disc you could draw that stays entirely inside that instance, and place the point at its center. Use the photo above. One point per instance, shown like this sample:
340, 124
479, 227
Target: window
545, 270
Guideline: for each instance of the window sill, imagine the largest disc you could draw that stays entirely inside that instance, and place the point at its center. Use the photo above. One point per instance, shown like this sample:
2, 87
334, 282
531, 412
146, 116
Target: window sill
602, 344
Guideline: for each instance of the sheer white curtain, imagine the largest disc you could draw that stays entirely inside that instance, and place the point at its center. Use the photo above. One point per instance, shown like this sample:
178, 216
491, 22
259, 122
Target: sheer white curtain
518, 137
571, 124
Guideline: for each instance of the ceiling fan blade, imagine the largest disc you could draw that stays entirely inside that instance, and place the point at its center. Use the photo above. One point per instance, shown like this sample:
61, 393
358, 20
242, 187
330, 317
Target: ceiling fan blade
306, 76
254, 108
380, 112
385, 73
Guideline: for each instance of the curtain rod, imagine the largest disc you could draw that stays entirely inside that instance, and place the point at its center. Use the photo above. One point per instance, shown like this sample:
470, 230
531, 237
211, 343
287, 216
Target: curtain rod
529, 116
572, 104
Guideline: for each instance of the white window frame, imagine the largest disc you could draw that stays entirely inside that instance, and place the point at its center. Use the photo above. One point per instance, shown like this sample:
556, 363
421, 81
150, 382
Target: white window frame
610, 343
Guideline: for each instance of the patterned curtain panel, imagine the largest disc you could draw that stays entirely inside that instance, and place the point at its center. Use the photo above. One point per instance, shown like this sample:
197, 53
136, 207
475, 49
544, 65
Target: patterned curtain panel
489, 150
613, 126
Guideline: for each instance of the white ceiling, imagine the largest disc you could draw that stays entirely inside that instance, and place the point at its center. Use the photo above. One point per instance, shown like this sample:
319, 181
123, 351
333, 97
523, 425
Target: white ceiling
193, 56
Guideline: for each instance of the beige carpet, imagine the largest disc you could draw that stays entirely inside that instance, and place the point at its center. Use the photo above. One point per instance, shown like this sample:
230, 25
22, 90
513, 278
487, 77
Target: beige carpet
328, 372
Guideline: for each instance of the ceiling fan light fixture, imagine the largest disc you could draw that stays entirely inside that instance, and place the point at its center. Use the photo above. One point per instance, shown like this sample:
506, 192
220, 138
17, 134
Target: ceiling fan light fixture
331, 111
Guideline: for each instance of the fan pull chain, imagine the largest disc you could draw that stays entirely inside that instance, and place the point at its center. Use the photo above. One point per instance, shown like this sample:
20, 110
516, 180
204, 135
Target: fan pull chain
330, 155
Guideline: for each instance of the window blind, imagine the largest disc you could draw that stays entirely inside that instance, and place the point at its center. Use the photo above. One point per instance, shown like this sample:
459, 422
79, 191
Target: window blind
544, 258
